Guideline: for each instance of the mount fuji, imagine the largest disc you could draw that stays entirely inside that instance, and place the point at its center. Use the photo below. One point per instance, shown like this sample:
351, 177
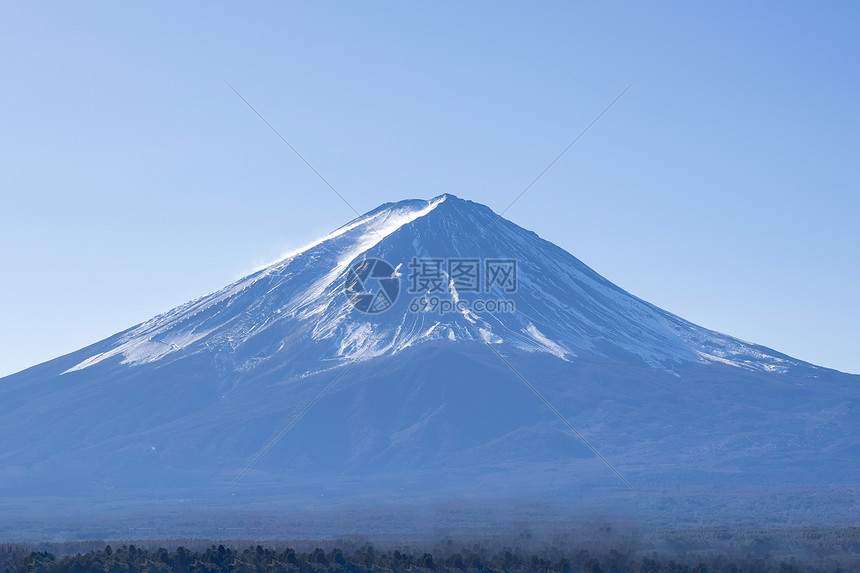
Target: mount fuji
424, 394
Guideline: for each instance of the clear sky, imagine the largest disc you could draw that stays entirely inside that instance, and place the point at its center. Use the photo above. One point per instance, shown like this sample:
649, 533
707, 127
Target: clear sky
722, 187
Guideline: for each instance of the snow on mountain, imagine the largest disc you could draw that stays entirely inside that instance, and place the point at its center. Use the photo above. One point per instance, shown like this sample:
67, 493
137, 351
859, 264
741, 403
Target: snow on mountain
562, 307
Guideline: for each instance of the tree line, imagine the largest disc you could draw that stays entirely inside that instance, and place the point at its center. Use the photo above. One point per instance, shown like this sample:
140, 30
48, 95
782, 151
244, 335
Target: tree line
259, 559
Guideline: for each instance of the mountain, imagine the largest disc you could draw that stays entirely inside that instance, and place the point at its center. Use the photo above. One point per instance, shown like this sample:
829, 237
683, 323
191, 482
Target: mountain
563, 306
418, 392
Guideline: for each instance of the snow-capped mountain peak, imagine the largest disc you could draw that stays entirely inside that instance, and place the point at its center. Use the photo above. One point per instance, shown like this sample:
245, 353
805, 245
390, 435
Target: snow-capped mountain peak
556, 304
378, 348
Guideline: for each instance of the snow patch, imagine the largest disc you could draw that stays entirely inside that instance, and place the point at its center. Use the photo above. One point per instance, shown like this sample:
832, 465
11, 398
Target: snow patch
548, 344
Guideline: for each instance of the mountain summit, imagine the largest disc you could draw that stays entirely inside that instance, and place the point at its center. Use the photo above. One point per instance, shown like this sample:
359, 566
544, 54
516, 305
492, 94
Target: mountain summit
403, 352
562, 307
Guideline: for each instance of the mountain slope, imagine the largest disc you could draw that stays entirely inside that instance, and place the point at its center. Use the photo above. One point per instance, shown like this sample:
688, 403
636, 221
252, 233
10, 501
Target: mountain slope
419, 401
563, 307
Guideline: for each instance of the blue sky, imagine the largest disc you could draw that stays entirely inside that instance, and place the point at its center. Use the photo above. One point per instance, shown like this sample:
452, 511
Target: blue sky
722, 187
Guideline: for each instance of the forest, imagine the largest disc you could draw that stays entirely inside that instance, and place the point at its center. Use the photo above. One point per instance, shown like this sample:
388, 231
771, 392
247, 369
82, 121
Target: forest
260, 559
